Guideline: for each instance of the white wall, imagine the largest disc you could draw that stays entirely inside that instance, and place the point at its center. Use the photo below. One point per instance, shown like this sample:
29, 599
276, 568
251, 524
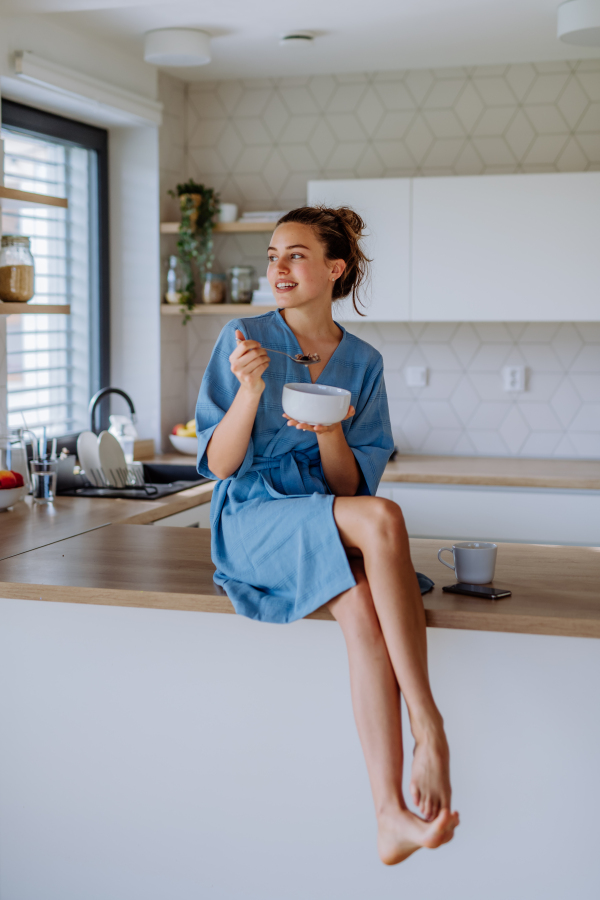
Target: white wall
134, 189
135, 271
51, 41
174, 336
163, 754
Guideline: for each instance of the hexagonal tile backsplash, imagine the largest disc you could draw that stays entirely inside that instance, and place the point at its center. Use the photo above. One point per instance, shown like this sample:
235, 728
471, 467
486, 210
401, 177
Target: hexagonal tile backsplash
259, 142
464, 410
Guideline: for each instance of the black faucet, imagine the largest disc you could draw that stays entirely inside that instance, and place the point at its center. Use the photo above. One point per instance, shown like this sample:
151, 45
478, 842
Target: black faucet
100, 396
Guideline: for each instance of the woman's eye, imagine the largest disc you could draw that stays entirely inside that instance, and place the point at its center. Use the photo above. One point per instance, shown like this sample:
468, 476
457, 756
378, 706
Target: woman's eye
271, 258
296, 256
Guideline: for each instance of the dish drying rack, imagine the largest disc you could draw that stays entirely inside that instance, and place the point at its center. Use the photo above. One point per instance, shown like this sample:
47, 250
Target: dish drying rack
130, 478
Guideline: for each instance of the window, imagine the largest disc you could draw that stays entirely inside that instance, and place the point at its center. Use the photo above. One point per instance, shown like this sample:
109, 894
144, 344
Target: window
55, 363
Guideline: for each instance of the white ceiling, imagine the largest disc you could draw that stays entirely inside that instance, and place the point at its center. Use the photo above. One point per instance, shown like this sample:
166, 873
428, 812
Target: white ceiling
354, 35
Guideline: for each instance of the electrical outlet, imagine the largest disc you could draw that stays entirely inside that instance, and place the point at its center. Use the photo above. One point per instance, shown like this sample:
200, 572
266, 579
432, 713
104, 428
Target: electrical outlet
416, 376
513, 379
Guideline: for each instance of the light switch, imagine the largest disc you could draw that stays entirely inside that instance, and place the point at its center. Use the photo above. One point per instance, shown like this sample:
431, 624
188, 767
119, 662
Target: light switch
416, 376
513, 378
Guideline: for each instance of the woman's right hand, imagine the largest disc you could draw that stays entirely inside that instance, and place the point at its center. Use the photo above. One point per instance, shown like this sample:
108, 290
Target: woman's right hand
248, 362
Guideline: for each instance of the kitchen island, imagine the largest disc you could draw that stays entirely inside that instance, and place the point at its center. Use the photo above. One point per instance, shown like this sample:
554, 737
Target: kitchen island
555, 589
147, 743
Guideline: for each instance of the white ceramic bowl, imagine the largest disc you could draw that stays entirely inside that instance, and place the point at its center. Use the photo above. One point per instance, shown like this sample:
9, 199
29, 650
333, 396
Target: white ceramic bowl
10, 496
186, 445
315, 404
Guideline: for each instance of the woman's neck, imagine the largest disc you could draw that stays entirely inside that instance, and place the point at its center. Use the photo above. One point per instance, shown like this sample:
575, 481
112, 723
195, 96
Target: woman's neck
312, 321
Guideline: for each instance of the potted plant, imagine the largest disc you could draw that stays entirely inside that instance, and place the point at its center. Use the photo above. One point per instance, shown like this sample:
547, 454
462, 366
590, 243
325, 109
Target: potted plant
199, 206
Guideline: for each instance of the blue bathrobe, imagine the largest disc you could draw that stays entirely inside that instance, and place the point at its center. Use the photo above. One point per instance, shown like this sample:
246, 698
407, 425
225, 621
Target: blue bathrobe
275, 543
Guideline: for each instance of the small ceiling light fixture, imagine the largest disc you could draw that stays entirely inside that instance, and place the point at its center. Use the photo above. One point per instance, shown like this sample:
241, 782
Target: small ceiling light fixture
579, 22
296, 39
177, 47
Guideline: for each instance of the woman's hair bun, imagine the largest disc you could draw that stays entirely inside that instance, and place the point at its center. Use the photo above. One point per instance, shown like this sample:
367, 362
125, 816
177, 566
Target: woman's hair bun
340, 230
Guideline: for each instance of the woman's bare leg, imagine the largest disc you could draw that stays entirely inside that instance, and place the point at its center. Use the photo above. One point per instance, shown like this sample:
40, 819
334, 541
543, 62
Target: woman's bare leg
376, 704
376, 527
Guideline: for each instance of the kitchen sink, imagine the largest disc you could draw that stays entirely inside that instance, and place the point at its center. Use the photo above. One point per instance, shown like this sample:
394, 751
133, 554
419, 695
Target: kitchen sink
161, 480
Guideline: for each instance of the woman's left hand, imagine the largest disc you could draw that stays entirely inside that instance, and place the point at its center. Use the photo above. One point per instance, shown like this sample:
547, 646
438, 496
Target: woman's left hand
318, 429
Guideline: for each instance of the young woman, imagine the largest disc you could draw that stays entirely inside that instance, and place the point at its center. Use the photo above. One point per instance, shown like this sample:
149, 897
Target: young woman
295, 520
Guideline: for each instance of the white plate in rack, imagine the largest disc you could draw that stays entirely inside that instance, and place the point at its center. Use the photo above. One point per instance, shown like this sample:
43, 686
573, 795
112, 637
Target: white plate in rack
112, 460
89, 458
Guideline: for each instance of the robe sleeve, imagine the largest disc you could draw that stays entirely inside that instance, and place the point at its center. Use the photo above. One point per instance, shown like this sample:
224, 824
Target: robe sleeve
369, 434
217, 392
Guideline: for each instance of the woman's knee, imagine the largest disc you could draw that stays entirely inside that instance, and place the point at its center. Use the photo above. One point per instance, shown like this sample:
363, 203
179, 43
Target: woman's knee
386, 517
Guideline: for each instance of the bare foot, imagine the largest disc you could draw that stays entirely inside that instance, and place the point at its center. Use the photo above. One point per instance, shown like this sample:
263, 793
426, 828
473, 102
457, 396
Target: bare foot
402, 834
430, 776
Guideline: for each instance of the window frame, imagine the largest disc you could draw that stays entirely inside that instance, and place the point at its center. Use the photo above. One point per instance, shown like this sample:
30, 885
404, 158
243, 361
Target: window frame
39, 123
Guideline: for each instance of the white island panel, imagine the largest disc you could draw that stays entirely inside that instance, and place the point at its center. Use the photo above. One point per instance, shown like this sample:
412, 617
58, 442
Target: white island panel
163, 754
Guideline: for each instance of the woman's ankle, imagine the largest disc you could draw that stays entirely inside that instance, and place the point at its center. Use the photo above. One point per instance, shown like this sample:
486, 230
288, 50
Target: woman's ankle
389, 809
428, 725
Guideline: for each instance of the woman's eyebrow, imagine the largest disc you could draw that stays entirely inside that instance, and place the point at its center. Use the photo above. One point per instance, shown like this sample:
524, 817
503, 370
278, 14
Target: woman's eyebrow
290, 247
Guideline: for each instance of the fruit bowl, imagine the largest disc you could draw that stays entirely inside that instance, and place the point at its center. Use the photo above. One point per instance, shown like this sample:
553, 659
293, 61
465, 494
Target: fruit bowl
186, 445
10, 496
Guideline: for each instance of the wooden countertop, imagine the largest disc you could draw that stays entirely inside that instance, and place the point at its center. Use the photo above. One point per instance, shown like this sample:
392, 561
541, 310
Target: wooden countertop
555, 589
576, 474
501, 471
27, 526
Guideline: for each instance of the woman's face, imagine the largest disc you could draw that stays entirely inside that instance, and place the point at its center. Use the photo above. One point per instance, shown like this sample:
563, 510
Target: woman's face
298, 270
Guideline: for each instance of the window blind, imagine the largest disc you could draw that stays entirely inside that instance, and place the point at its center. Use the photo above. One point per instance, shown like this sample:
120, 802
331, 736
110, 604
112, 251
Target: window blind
48, 357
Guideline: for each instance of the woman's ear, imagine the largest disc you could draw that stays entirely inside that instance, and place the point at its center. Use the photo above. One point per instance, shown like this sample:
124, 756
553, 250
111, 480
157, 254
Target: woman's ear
337, 268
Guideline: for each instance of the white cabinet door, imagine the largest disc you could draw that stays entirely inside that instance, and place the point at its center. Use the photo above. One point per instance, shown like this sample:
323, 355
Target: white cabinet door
384, 204
506, 248
196, 517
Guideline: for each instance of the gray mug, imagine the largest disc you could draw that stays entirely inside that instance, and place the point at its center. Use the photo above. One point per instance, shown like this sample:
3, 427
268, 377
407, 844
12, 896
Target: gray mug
474, 561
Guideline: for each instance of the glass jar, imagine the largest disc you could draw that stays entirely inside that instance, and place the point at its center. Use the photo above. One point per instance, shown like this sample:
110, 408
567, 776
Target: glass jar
240, 284
16, 269
213, 289
174, 282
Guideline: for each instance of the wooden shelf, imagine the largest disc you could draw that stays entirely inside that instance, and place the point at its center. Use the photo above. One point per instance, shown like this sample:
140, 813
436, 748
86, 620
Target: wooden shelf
231, 310
37, 309
36, 199
224, 227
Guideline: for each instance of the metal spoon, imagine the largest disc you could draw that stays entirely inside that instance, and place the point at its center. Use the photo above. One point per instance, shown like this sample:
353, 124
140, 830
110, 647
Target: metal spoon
305, 359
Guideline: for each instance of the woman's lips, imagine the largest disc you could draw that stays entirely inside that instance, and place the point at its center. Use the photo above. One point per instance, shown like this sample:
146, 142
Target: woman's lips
282, 287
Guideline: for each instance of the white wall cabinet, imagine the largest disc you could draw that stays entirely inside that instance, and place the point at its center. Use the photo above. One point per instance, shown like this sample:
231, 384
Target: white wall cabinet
506, 248
479, 248
384, 204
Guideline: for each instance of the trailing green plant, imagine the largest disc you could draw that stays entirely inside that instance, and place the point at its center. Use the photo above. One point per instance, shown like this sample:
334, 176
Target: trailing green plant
199, 206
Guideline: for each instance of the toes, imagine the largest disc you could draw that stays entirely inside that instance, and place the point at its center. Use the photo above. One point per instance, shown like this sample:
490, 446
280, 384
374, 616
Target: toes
415, 794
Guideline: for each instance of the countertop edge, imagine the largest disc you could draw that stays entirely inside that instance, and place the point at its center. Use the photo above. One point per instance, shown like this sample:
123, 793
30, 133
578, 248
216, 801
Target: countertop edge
559, 626
56, 593
188, 499
579, 484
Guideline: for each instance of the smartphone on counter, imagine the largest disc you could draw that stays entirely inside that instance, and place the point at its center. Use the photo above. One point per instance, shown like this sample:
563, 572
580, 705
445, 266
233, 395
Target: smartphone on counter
476, 590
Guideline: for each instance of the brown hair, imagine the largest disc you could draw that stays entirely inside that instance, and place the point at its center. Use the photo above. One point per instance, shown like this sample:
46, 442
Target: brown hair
340, 231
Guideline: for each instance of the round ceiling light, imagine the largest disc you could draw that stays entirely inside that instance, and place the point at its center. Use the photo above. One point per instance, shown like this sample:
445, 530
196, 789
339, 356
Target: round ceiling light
296, 39
579, 22
177, 47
